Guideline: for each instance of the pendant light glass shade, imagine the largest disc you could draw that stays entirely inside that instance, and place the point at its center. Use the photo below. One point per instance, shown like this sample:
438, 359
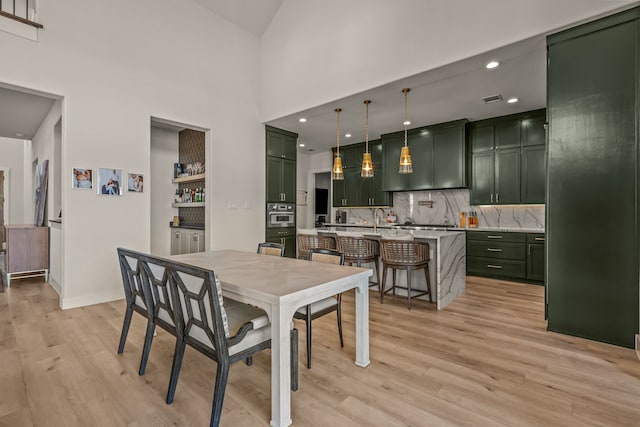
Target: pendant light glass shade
337, 172
367, 164
406, 166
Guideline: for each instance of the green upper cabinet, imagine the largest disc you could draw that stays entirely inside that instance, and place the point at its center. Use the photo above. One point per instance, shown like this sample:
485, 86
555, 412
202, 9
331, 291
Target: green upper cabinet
354, 190
481, 136
533, 131
507, 176
280, 165
420, 142
281, 143
507, 133
438, 154
482, 177
533, 174
391, 145
508, 164
449, 154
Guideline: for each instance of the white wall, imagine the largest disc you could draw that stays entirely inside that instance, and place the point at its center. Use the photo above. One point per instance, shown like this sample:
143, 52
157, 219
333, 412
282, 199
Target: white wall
12, 163
42, 148
112, 69
164, 153
316, 52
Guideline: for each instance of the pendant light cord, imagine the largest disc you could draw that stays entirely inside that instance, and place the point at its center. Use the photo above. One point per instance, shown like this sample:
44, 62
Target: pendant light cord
366, 132
406, 90
338, 132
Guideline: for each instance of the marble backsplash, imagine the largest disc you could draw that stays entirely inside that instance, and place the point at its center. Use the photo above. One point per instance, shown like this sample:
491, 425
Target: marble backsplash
447, 205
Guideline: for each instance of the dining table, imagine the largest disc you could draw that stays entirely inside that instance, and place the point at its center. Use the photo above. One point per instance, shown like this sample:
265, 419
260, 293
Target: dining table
280, 286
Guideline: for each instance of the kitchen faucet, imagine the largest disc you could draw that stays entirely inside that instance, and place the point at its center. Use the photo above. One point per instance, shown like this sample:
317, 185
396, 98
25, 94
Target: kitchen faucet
375, 218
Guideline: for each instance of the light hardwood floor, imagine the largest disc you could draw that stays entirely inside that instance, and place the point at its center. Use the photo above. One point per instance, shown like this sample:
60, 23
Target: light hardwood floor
486, 360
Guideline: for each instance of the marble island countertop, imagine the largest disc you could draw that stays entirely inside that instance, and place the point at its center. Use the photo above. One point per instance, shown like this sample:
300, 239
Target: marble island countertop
401, 227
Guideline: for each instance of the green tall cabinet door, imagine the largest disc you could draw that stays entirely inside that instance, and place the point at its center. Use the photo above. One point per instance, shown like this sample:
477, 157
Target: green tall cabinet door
533, 174
421, 148
274, 183
289, 180
592, 175
507, 176
482, 176
449, 156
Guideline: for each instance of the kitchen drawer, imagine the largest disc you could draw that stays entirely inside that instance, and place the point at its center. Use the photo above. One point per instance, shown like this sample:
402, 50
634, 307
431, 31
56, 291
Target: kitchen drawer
497, 249
281, 232
490, 236
536, 238
496, 267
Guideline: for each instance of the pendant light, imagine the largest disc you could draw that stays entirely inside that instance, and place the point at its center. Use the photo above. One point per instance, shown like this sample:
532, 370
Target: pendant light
367, 164
405, 156
337, 161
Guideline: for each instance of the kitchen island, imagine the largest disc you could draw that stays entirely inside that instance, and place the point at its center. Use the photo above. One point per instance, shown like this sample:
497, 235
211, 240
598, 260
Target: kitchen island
447, 253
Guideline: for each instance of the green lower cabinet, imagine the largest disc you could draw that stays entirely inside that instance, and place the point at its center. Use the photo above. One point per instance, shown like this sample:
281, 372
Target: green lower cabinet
506, 255
284, 236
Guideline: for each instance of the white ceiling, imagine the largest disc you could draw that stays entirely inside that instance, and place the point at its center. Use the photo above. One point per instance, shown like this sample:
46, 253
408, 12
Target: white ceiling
21, 114
448, 93
250, 15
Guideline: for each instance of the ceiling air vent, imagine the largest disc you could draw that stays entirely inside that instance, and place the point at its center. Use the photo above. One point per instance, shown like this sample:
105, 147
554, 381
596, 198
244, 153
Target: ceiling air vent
492, 99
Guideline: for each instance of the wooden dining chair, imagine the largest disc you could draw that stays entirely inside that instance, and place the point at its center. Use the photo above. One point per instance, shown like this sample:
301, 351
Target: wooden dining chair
224, 333
325, 306
270, 248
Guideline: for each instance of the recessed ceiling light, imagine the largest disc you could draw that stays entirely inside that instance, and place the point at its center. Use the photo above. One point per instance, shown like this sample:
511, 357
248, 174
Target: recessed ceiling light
512, 100
347, 135
300, 145
302, 120
493, 64
19, 135
406, 123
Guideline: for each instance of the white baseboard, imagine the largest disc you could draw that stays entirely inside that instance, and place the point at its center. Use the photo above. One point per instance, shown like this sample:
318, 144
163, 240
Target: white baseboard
55, 285
110, 295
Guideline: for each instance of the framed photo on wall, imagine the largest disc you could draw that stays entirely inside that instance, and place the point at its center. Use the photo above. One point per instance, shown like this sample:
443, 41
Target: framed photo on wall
135, 182
82, 178
110, 182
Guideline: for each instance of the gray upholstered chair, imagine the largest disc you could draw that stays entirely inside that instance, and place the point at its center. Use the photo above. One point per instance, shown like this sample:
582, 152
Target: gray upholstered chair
325, 306
405, 255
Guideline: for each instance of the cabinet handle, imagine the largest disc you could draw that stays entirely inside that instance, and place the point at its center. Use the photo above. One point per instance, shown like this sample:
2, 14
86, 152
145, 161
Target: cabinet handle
491, 197
539, 238
494, 266
494, 237
497, 198
494, 250
283, 232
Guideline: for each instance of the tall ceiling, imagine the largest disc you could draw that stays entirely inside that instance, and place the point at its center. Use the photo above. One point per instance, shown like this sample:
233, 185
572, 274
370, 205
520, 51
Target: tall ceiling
250, 15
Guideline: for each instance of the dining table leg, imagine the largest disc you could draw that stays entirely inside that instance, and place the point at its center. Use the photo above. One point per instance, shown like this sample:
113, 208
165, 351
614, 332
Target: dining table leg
281, 366
362, 322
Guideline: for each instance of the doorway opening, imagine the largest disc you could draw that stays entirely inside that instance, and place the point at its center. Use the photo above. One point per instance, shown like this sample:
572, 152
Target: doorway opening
179, 197
321, 201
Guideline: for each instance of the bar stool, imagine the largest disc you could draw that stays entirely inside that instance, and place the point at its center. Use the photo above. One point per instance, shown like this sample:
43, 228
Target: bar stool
312, 241
405, 255
360, 250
